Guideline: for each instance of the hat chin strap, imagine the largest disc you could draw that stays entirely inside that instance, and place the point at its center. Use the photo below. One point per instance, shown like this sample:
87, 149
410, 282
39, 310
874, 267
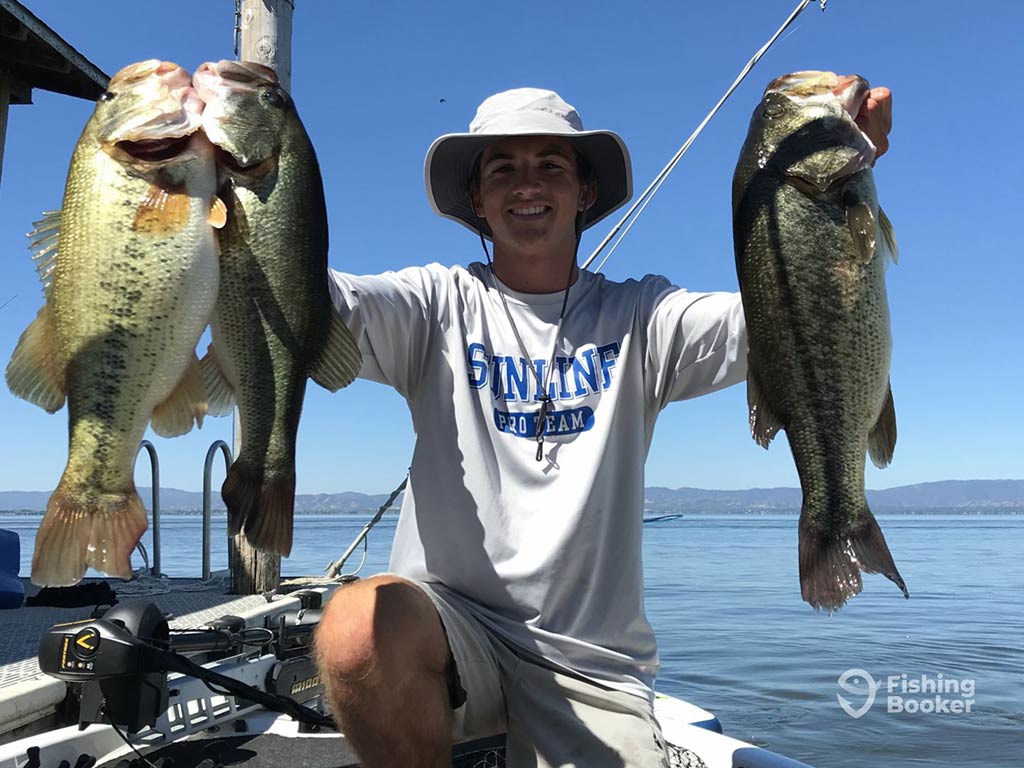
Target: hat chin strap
544, 385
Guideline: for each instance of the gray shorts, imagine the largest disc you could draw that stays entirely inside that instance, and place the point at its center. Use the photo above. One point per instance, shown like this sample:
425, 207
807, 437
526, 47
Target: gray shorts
552, 719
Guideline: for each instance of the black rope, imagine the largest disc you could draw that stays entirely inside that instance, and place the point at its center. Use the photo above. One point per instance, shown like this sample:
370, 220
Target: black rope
124, 738
174, 662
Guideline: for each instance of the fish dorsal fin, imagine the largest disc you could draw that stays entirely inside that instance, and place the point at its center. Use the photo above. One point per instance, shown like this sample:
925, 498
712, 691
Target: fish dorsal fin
340, 359
887, 238
220, 396
43, 242
764, 424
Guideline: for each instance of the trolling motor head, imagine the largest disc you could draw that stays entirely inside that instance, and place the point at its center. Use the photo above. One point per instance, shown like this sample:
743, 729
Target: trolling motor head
118, 659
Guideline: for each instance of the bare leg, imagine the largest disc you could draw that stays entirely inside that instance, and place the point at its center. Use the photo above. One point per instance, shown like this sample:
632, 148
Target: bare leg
382, 654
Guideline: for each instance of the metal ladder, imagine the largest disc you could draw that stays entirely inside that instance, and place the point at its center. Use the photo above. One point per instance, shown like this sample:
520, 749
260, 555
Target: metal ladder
154, 464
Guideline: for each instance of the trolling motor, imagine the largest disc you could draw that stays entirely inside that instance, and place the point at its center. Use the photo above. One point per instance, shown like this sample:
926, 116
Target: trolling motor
122, 661
117, 658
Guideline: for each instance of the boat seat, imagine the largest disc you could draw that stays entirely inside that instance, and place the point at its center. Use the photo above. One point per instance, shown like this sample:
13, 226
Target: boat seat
12, 591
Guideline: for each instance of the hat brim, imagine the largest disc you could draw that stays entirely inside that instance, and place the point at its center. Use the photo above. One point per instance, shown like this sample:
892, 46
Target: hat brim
451, 157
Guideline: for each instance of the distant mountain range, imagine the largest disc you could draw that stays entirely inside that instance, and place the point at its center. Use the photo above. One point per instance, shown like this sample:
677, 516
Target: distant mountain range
954, 495
177, 500
943, 495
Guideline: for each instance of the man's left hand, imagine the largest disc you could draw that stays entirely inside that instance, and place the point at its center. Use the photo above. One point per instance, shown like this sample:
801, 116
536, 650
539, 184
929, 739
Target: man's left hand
875, 118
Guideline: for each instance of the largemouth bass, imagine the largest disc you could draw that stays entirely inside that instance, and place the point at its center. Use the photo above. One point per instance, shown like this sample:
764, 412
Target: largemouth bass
130, 275
274, 324
812, 247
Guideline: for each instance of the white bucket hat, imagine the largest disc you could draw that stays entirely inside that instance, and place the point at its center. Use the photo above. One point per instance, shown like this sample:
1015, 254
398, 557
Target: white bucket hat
523, 112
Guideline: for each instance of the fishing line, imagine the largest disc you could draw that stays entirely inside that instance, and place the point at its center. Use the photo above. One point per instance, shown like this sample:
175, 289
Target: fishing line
333, 570
645, 198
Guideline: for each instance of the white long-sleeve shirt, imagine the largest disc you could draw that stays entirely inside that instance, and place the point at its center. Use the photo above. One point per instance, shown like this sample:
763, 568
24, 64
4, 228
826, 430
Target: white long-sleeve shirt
546, 554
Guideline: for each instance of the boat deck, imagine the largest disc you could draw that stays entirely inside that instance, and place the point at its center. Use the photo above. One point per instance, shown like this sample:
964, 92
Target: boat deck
31, 702
26, 693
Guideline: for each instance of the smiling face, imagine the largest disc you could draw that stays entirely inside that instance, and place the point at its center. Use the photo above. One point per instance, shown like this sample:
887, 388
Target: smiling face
529, 191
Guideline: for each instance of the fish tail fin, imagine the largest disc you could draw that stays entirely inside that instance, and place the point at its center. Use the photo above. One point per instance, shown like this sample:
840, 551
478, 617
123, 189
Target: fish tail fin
241, 492
269, 527
830, 565
77, 533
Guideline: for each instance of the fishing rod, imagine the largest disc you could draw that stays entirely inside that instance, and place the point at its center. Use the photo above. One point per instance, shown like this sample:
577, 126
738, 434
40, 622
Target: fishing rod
648, 194
334, 569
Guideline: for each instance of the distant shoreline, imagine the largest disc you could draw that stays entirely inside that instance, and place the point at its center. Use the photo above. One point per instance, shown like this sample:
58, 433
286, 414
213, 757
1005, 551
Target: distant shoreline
993, 511
942, 497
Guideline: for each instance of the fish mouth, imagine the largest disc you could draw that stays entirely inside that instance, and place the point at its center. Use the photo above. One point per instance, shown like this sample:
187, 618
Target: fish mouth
160, 106
215, 81
236, 164
234, 74
814, 85
852, 92
155, 150
225, 87
141, 71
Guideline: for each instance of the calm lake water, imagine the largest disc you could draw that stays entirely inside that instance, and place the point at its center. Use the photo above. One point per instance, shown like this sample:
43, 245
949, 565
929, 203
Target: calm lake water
735, 638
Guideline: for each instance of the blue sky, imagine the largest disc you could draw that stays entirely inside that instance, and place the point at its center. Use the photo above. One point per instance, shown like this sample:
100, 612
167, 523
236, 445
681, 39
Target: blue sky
368, 79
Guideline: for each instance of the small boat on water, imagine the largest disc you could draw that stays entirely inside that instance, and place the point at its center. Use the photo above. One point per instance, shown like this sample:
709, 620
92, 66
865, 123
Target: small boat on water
662, 518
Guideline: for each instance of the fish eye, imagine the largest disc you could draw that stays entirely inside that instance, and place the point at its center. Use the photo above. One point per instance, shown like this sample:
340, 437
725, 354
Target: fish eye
107, 96
774, 107
272, 96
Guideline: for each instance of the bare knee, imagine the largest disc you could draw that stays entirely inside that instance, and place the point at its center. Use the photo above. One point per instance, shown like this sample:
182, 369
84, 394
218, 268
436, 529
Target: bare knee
380, 627
383, 654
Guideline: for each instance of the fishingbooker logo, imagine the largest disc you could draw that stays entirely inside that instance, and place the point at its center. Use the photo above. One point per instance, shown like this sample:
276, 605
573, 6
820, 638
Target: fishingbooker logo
925, 693
590, 371
850, 681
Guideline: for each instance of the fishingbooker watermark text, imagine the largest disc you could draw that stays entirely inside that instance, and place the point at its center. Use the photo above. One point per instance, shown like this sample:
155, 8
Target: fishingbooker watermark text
927, 694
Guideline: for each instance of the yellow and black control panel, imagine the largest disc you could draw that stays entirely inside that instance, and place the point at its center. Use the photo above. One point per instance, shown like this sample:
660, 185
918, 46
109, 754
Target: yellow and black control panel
95, 649
79, 650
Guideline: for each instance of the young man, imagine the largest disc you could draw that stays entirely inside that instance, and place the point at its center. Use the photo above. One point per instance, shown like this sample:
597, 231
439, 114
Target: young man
515, 600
